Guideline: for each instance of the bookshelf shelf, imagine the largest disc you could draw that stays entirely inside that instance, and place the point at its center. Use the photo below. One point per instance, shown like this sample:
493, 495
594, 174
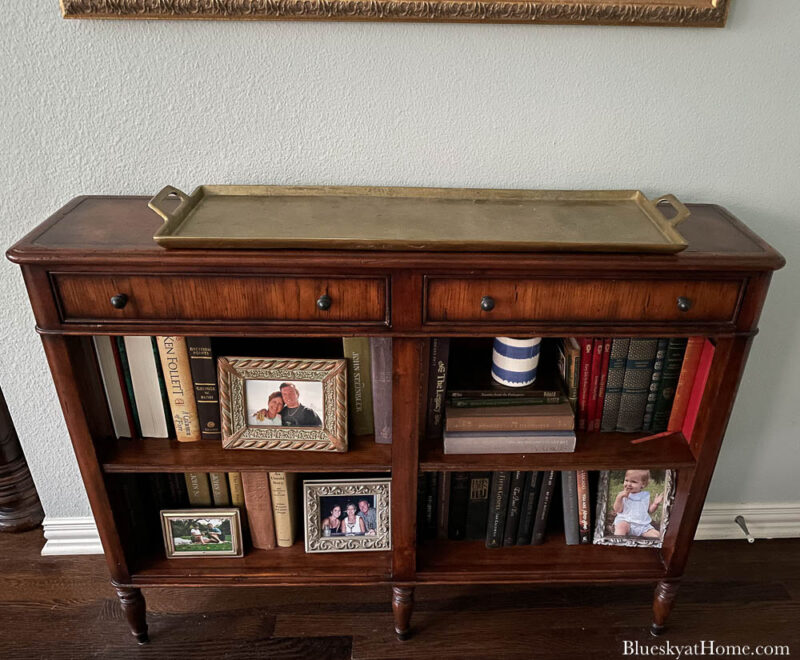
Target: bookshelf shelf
595, 451
168, 455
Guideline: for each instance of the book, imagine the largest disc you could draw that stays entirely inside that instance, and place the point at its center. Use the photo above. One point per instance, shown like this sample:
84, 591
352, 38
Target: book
569, 366
443, 503
614, 381
258, 504
146, 387
179, 495
569, 501
601, 389
698, 389
554, 417
508, 442
112, 385
478, 505
203, 367
359, 385
694, 347
527, 514
506, 403
381, 365
584, 384
459, 505
676, 348
219, 489
198, 489
180, 391
584, 507
236, 489
594, 383
123, 366
437, 386
516, 489
498, 505
655, 383
284, 506
162, 386
544, 500
429, 507
636, 384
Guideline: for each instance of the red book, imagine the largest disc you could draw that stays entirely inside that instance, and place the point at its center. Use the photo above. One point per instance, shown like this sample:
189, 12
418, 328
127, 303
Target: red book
699, 387
601, 389
594, 383
585, 381
694, 347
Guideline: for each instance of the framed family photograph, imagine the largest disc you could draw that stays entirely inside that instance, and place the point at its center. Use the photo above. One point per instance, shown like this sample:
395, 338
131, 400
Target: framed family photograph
347, 516
633, 507
202, 533
283, 403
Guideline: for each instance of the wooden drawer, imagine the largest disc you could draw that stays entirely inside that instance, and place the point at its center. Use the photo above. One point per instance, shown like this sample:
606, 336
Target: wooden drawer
83, 297
450, 300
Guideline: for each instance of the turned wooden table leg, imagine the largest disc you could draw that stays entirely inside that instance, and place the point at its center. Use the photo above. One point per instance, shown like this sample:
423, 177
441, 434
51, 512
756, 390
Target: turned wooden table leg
662, 605
402, 606
135, 612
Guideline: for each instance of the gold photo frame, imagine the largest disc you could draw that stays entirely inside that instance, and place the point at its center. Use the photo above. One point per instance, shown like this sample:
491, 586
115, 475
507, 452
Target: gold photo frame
688, 13
318, 389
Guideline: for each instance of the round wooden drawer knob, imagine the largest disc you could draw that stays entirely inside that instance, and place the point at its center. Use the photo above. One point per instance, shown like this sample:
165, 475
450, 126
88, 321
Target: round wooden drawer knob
684, 304
324, 302
487, 303
119, 301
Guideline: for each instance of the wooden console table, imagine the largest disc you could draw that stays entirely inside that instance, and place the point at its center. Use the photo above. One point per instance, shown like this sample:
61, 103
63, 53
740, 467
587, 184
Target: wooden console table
96, 248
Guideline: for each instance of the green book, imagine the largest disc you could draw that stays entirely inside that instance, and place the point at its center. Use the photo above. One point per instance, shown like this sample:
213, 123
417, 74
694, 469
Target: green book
669, 382
198, 488
219, 489
359, 385
126, 375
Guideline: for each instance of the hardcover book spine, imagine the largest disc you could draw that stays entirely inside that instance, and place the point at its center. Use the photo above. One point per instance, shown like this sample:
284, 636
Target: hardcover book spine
509, 442
431, 490
437, 386
528, 508
569, 364
557, 422
515, 492
669, 382
584, 507
614, 381
506, 403
478, 505
459, 505
162, 388
443, 502
694, 347
638, 372
125, 373
543, 505
594, 383
177, 488
198, 489
237, 491
145, 379
585, 383
569, 500
219, 489
698, 389
284, 506
601, 389
381, 364
111, 385
258, 503
498, 504
204, 380
180, 391
359, 375
655, 384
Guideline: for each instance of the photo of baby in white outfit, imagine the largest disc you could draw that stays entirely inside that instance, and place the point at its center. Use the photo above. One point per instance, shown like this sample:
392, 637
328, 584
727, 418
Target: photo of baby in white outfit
633, 507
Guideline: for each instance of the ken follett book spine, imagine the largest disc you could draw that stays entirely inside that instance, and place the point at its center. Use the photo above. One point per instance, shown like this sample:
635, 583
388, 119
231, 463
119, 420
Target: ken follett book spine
528, 508
459, 505
655, 384
498, 504
614, 381
204, 380
180, 391
669, 383
437, 386
569, 500
544, 503
584, 508
636, 385
381, 366
478, 505
516, 490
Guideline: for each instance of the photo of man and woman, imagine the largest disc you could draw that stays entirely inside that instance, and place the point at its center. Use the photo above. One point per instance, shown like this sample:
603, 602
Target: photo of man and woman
203, 534
347, 515
288, 404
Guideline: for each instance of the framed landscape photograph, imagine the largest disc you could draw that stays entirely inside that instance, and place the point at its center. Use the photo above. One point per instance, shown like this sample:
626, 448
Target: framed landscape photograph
202, 533
633, 507
347, 515
283, 403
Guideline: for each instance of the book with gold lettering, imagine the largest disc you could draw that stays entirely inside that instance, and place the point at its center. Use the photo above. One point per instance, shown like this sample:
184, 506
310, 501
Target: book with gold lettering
284, 506
359, 384
204, 379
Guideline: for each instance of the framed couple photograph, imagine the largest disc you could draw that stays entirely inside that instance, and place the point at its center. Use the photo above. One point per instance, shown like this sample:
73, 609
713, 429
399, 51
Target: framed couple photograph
202, 533
283, 403
633, 507
347, 516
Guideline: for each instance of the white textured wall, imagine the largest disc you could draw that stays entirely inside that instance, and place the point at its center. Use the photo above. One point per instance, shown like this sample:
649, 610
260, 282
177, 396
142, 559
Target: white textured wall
127, 107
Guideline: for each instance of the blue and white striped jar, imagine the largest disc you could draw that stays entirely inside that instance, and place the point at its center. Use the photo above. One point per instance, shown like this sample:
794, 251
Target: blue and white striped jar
514, 361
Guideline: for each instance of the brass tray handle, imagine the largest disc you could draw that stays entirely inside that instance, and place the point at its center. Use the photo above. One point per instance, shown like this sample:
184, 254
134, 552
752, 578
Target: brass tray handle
158, 200
681, 212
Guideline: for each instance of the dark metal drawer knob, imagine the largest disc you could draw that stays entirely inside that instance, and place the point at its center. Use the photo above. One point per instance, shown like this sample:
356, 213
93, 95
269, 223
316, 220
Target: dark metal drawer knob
119, 301
684, 304
324, 302
487, 303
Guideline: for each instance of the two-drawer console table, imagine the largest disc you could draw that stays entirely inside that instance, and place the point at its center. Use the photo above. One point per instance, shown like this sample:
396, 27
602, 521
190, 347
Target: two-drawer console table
93, 269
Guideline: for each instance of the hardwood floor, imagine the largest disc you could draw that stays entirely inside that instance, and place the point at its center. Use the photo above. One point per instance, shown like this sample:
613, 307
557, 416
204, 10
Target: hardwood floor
64, 607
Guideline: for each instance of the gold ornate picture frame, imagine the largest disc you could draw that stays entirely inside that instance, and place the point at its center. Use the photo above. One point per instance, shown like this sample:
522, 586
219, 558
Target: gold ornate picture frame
283, 403
688, 13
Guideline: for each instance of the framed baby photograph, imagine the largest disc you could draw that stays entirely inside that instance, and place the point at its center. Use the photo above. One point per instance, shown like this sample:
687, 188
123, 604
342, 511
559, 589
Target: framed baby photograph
633, 507
202, 533
283, 403
347, 516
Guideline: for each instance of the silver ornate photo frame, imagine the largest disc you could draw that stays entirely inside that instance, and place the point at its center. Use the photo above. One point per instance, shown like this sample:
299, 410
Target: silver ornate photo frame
240, 431
603, 535
316, 493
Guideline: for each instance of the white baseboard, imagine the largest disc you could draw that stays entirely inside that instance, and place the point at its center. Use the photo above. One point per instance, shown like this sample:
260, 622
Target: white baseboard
71, 536
78, 536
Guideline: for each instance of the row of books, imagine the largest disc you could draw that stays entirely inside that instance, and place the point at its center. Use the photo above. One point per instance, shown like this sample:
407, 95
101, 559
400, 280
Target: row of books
631, 384
503, 508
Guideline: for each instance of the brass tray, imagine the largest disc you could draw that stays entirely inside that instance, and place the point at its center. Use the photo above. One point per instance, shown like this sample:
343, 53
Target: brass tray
417, 219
